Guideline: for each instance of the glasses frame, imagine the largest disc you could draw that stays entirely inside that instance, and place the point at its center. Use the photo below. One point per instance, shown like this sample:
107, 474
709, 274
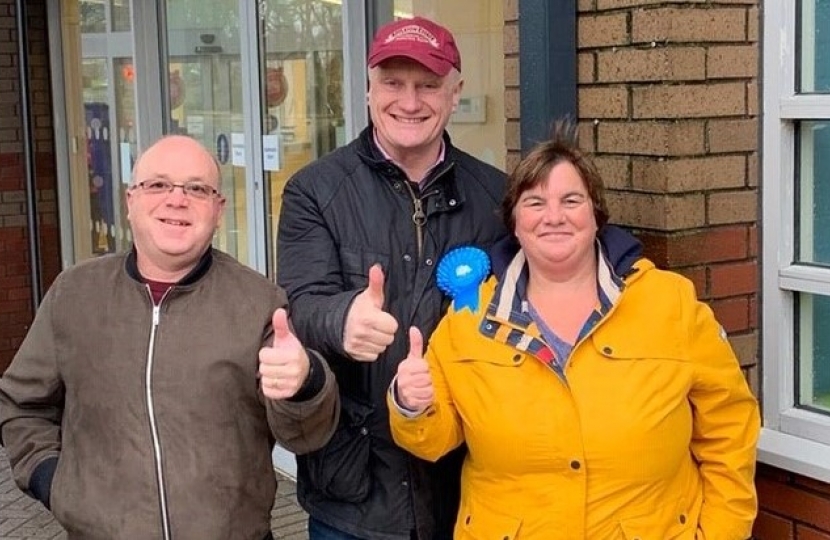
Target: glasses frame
185, 186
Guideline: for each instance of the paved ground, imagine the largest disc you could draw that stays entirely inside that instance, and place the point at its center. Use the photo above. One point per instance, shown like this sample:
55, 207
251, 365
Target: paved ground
22, 518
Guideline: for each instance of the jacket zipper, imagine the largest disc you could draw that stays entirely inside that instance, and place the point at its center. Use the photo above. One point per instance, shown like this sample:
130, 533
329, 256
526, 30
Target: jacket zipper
419, 218
165, 518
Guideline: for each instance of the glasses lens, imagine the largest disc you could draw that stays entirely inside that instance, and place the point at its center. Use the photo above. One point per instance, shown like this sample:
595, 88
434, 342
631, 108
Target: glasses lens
200, 191
156, 186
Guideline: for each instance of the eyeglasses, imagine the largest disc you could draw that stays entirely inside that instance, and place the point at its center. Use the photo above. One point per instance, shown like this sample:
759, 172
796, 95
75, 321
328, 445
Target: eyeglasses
197, 190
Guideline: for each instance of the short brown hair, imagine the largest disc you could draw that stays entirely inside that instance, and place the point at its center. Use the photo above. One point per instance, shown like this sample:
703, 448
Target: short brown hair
534, 169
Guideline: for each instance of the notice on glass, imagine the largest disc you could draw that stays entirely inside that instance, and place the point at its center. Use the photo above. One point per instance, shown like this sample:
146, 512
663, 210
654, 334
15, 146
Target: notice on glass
126, 162
271, 152
238, 149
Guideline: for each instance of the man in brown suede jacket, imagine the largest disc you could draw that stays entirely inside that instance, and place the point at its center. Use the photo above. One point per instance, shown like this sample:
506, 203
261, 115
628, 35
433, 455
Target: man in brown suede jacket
147, 396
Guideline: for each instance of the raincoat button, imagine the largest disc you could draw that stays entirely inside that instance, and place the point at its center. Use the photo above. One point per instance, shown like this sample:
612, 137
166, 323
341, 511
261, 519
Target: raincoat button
467, 520
407, 257
428, 262
397, 186
607, 350
452, 202
682, 518
517, 358
575, 465
364, 431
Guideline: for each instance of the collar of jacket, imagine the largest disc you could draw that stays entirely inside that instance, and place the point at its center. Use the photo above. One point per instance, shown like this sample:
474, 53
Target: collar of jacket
193, 276
620, 248
440, 190
617, 252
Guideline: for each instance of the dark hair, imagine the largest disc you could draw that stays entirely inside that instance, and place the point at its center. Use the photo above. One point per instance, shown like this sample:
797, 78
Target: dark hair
534, 169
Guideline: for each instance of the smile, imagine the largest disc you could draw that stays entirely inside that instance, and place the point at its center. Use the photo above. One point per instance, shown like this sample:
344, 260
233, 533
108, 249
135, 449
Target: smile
405, 120
175, 222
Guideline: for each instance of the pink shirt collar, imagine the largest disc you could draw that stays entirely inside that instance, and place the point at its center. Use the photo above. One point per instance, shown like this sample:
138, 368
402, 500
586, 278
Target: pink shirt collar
441, 155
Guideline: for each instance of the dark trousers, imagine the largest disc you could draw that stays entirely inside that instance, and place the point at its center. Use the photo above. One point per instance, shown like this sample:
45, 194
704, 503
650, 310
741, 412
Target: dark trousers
317, 530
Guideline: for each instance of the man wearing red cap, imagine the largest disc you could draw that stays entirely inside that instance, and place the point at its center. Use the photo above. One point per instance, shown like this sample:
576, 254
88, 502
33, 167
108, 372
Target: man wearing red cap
361, 233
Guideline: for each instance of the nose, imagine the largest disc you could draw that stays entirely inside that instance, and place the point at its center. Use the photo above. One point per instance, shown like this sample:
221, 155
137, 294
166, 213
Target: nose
554, 213
177, 196
408, 98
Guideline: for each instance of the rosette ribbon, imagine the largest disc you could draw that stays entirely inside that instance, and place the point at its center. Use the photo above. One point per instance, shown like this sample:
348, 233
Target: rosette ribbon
459, 274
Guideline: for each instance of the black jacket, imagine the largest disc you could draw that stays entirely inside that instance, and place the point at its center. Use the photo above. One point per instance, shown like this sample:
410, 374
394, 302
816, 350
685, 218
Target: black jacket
340, 215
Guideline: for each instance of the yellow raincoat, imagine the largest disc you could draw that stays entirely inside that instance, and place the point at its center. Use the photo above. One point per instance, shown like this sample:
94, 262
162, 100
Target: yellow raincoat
649, 433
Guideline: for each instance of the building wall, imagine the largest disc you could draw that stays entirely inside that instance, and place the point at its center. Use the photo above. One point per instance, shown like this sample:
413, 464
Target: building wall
668, 102
15, 272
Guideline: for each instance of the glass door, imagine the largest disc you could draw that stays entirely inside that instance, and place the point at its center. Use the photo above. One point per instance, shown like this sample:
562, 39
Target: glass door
99, 93
206, 101
302, 83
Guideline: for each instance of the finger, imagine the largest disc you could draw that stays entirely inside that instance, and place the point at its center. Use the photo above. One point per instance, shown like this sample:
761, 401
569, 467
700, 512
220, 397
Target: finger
416, 343
375, 288
385, 323
280, 324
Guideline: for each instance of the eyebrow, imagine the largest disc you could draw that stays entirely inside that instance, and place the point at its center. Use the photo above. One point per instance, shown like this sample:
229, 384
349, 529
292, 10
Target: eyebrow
189, 179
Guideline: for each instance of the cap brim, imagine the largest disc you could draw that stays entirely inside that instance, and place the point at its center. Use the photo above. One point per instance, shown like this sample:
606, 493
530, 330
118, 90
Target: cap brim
436, 65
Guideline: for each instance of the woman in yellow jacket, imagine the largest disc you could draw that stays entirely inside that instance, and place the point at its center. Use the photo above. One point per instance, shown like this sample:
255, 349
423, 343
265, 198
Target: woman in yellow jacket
599, 399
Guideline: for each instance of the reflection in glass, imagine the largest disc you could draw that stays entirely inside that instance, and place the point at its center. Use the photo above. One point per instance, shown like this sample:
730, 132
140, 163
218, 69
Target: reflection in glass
93, 16
302, 93
814, 46
205, 101
813, 351
813, 188
120, 15
109, 149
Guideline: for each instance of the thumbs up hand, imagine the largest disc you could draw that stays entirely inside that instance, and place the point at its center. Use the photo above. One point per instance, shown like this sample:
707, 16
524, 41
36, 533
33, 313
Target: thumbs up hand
369, 329
283, 367
415, 390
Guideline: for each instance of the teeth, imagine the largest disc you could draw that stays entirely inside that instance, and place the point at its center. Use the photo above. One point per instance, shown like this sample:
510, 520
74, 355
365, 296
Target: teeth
171, 222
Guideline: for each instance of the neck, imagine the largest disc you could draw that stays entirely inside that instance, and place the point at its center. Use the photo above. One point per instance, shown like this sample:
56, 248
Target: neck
169, 273
544, 282
414, 162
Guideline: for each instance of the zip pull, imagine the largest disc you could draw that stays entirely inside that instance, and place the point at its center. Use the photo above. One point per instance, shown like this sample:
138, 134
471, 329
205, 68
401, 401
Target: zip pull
156, 314
419, 218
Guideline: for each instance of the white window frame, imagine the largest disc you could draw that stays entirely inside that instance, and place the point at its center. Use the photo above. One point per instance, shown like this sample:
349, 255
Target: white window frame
792, 439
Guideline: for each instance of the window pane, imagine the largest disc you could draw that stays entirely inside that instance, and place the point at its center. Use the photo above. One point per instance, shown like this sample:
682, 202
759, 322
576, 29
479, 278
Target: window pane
93, 17
120, 15
302, 92
814, 44
204, 62
813, 185
813, 352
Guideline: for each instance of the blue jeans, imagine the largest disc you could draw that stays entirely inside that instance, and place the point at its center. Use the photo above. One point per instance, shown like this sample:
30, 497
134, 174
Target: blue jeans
317, 530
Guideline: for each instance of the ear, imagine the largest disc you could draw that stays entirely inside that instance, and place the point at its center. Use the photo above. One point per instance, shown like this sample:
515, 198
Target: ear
456, 93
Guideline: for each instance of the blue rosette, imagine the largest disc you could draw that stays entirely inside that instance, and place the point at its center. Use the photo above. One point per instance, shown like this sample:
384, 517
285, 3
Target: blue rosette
459, 274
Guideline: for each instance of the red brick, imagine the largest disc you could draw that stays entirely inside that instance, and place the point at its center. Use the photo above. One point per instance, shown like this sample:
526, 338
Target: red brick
709, 245
733, 279
732, 313
19, 294
753, 311
800, 505
697, 275
811, 484
770, 527
808, 533
13, 282
753, 241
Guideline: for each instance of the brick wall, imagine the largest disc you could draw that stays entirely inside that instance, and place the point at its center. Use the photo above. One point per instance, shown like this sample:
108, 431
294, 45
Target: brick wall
15, 278
668, 103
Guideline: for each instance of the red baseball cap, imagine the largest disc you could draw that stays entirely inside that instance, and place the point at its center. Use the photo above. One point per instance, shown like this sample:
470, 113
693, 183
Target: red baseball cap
420, 39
